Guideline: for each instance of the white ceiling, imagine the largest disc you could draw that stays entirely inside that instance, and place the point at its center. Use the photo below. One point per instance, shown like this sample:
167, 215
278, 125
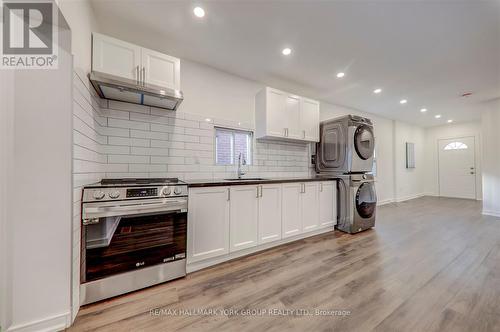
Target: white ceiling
428, 52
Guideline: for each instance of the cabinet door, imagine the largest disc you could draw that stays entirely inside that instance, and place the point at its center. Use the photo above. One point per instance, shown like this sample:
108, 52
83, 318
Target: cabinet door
292, 117
327, 203
270, 213
115, 57
243, 217
290, 207
309, 119
161, 69
208, 223
276, 112
310, 206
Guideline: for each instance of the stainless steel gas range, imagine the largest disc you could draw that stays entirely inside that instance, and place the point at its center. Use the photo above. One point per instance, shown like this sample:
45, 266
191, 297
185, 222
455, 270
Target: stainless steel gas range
133, 235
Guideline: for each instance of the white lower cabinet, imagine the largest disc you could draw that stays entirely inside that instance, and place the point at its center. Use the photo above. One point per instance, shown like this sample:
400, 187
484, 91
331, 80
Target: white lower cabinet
243, 217
327, 203
208, 223
223, 221
309, 206
270, 213
291, 216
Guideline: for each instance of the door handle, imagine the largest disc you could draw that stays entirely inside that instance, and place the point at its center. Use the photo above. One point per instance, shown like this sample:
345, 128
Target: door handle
261, 191
137, 74
228, 194
257, 195
143, 75
472, 173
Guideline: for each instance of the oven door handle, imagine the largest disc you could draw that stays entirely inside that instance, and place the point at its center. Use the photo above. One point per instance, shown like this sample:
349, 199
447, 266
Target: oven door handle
132, 209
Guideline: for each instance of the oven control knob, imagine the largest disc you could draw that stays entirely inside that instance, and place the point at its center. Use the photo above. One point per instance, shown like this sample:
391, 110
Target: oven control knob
98, 194
114, 194
177, 190
166, 191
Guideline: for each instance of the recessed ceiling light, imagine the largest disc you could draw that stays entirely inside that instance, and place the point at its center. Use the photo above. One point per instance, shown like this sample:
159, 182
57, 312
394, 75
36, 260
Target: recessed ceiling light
378, 90
423, 110
450, 121
403, 101
340, 75
286, 51
199, 12
437, 116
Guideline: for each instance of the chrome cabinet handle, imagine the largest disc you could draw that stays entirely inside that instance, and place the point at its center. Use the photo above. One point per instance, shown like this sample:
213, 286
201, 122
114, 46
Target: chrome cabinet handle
257, 195
138, 75
228, 194
143, 75
321, 187
303, 134
138, 264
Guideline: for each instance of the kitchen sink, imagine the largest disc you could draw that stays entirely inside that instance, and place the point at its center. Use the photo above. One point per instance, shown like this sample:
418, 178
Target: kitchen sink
245, 179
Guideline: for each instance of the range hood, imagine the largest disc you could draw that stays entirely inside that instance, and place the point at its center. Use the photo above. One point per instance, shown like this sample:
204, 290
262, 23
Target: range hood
131, 91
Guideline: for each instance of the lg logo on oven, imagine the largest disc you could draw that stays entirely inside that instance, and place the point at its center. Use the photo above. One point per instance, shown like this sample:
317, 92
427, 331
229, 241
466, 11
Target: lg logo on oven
29, 35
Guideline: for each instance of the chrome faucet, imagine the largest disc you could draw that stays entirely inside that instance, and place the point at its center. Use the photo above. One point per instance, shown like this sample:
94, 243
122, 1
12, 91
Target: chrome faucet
241, 161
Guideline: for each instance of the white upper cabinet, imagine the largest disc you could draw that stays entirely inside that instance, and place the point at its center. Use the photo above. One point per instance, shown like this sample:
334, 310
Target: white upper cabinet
327, 203
161, 69
119, 58
115, 57
243, 217
309, 118
294, 127
285, 116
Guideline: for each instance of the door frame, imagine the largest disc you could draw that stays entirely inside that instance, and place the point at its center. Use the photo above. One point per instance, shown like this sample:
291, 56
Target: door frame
439, 165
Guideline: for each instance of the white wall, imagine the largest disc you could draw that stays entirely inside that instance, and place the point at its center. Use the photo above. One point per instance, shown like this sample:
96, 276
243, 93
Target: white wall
81, 19
409, 182
39, 201
6, 157
433, 135
490, 124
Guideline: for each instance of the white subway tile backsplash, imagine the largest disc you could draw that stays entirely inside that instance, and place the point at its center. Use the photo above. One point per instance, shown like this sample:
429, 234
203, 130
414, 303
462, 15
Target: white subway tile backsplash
112, 140
128, 159
147, 168
167, 144
148, 134
115, 149
198, 146
149, 151
120, 132
184, 138
167, 160
118, 123
184, 123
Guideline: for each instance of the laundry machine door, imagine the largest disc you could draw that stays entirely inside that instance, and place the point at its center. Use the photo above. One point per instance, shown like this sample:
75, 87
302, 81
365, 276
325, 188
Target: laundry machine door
366, 200
331, 150
364, 142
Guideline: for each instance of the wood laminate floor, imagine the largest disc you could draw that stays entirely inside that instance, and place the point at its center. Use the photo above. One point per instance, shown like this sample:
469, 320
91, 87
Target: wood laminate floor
431, 264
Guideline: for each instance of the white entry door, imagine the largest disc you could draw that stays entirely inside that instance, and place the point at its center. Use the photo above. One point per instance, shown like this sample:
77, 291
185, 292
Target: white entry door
457, 169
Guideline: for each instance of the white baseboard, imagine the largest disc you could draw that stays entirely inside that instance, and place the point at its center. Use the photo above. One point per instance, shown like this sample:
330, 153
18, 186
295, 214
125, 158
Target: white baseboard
50, 324
385, 202
407, 198
491, 213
